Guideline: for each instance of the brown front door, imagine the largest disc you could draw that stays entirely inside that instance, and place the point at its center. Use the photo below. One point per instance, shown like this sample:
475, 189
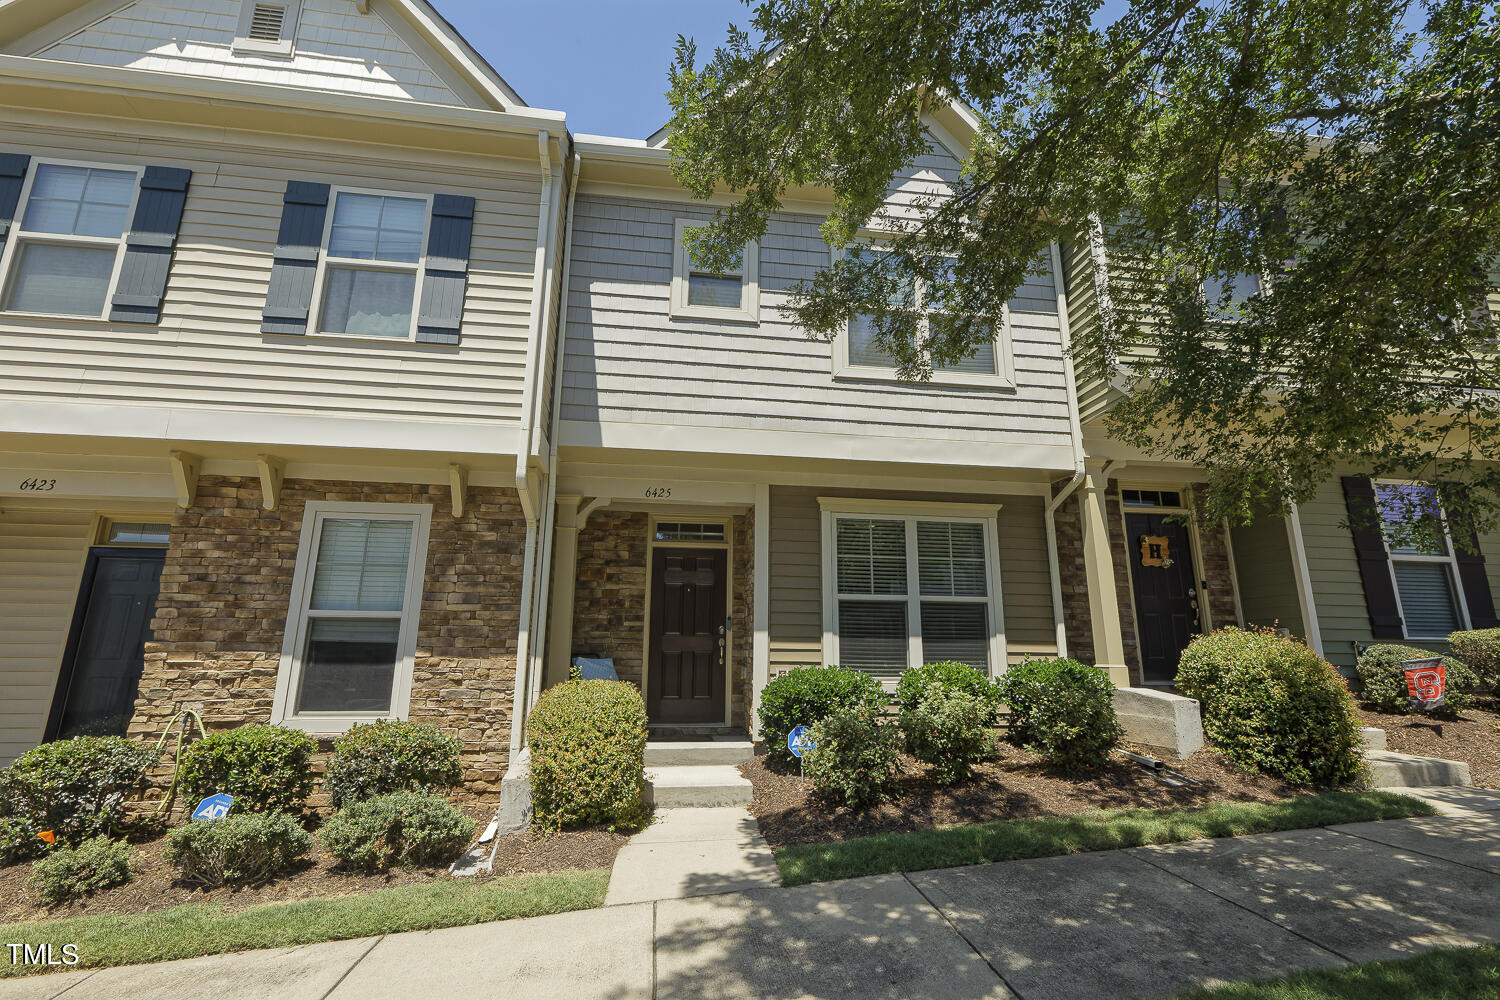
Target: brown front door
685, 681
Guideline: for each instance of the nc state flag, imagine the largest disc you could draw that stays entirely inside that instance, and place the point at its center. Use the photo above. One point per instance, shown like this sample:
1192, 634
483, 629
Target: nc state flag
1426, 684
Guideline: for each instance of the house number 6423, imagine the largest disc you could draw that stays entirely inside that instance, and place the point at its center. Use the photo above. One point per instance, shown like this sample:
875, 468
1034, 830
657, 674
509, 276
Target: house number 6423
658, 492
35, 485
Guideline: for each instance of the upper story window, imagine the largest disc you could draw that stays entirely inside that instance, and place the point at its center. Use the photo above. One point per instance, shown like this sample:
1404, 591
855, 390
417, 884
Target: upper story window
63, 257
1226, 296
372, 264
1423, 569
267, 27
728, 295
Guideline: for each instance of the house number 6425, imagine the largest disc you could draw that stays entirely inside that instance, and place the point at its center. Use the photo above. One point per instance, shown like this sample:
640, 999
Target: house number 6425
658, 492
35, 485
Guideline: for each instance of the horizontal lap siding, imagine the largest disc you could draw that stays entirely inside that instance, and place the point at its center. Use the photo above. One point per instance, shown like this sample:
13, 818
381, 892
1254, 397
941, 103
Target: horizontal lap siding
41, 558
208, 349
1339, 594
1263, 570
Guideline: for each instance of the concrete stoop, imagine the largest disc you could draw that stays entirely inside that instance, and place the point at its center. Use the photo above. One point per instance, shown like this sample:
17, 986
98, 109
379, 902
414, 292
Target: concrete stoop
682, 786
1401, 770
684, 753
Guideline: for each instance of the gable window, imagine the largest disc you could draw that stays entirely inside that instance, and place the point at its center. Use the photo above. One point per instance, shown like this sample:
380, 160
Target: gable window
908, 584
267, 27
352, 628
64, 254
372, 264
728, 295
1423, 570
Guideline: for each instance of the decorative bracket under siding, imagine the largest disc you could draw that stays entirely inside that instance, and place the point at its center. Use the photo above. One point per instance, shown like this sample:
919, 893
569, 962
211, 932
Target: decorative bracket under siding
272, 475
185, 467
458, 481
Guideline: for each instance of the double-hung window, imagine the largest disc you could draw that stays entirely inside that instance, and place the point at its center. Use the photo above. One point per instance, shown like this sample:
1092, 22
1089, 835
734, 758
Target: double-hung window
352, 628
63, 257
697, 293
371, 268
908, 584
1423, 568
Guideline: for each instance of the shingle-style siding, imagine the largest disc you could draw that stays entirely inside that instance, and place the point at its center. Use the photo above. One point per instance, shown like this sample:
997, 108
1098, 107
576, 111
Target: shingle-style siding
209, 351
926, 181
337, 49
629, 361
1268, 585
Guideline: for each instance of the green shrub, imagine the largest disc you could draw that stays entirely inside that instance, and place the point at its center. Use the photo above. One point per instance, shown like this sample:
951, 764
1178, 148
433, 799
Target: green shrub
1480, 650
391, 757
1384, 679
402, 828
948, 728
806, 696
76, 788
947, 675
240, 849
857, 757
1271, 704
19, 839
265, 768
71, 872
1063, 711
588, 755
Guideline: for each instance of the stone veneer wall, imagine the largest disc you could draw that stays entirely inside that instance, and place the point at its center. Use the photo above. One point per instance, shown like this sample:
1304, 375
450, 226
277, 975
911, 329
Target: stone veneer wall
226, 586
1215, 557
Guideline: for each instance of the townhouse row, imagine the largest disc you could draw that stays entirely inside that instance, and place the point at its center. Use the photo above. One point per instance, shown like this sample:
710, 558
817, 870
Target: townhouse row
339, 384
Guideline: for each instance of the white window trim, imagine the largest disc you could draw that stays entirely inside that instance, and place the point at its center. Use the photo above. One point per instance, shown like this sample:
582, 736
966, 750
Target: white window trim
748, 310
985, 515
1455, 585
289, 671
246, 46
326, 261
18, 235
1003, 378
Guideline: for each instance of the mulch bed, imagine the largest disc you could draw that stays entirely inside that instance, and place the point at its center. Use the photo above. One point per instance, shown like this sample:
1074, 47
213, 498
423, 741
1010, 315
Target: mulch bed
1472, 737
155, 886
1015, 785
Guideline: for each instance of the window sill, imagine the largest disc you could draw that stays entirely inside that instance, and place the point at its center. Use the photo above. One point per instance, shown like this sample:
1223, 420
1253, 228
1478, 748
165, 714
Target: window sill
331, 726
721, 315
75, 318
860, 373
363, 339
259, 47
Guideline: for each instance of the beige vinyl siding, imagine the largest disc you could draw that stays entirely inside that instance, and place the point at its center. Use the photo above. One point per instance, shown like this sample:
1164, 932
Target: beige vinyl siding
208, 351
628, 361
796, 606
41, 561
1338, 591
337, 49
1489, 547
1264, 572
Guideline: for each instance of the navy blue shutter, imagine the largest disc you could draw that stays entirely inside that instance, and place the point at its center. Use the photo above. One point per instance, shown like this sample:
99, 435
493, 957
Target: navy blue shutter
441, 316
12, 178
289, 297
1374, 562
148, 245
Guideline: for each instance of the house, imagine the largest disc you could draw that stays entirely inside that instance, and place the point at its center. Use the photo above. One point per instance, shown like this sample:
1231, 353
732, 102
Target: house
274, 296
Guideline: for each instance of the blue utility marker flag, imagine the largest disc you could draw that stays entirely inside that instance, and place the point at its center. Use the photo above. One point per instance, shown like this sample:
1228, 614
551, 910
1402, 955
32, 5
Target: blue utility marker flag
214, 807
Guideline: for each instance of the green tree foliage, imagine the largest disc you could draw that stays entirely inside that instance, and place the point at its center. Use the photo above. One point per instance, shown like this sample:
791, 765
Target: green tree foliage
1350, 152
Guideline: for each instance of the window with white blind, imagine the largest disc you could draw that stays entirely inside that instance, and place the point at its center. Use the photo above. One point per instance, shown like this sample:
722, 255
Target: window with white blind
698, 293
371, 267
352, 628
1423, 569
906, 585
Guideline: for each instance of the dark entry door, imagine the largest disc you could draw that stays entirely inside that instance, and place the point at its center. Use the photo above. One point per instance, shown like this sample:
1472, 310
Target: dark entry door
1166, 605
688, 636
102, 665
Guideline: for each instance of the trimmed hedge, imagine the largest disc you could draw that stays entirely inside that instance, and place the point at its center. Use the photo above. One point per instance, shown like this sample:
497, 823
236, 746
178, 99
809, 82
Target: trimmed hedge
70, 872
1480, 649
948, 729
76, 788
265, 768
1271, 704
805, 696
402, 828
588, 755
856, 757
240, 849
1063, 711
390, 756
1384, 679
947, 675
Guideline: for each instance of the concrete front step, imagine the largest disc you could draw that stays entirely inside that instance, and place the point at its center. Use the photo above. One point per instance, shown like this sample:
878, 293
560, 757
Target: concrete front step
1400, 770
696, 786
683, 753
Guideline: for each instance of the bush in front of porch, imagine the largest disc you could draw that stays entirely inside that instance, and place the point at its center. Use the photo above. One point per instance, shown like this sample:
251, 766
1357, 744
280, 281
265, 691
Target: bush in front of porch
1383, 676
805, 696
1480, 649
588, 754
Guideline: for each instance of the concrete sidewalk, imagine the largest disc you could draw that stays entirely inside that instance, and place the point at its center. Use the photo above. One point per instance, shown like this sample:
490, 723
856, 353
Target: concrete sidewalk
693, 852
1136, 923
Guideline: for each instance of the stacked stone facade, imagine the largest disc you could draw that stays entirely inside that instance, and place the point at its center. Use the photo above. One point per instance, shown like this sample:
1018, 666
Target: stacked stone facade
226, 588
1077, 620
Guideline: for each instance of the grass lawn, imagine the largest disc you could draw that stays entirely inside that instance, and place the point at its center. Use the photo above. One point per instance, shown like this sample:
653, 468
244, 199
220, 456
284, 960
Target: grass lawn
1008, 840
1450, 974
208, 929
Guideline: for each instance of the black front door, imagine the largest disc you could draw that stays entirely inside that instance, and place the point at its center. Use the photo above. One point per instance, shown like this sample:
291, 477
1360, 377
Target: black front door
685, 683
105, 653
1166, 605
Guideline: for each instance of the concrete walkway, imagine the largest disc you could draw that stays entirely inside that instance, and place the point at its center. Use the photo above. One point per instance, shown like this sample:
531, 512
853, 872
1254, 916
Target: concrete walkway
693, 852
1119, 924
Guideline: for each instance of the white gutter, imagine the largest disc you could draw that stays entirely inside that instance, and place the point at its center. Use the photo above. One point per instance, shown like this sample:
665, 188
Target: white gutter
1075, 431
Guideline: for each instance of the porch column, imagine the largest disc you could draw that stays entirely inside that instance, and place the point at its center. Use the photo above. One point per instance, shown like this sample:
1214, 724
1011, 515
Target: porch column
760, 647
1099, 569
564, 578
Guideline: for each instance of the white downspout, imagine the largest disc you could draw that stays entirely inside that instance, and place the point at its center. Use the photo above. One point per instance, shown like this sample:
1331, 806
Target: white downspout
1075, 431
1306, 598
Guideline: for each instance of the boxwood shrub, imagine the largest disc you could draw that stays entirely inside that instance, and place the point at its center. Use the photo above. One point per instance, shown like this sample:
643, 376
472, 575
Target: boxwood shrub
947, 675
1062, 710
588, 754
76, 788
1384, 679
1480, 650
240, 849
402, 828
70, 872
265, 768
1271, 704
949, 729
806, 696
857, 757
391, 756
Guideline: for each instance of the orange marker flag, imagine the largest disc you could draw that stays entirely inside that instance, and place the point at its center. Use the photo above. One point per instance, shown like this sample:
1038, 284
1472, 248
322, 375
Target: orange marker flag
49, 836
